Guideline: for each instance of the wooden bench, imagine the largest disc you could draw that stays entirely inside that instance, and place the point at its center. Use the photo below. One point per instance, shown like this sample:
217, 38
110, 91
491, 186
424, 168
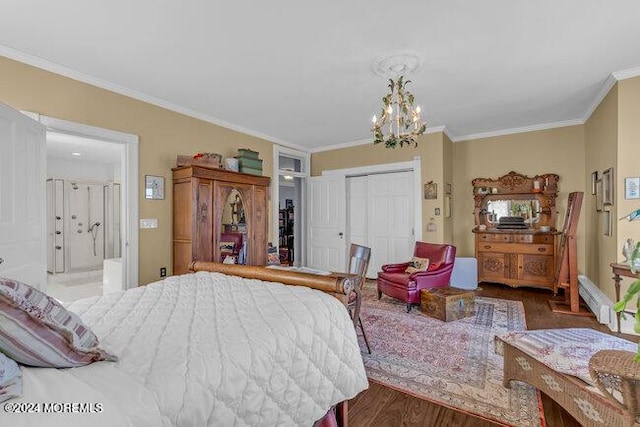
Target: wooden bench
608, 398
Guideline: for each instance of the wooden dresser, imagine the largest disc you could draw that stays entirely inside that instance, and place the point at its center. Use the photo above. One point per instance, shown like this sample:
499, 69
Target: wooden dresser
526, 254
200, 197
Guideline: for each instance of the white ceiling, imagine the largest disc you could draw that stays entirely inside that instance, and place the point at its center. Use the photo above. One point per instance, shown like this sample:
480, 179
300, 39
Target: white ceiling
61, 146
300, 73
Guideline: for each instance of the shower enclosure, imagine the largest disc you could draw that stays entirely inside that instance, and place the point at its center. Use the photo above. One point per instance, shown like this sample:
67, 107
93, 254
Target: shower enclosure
83, 225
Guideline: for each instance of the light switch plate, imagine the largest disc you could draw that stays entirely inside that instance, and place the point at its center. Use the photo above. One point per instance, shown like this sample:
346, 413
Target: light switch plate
149, 223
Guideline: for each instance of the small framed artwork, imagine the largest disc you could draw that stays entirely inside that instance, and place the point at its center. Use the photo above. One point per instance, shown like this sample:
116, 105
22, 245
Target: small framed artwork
288, 203
607, 187
599, 205
447, 206
154, 187
447, 189
632, 188
430, 190
606, 223
594, 180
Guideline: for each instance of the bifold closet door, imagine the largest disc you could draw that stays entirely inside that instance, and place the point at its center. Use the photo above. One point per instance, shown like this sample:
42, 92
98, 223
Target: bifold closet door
381, 216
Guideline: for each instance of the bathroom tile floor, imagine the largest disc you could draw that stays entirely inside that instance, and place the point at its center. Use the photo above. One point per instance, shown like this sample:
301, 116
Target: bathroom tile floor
67, 287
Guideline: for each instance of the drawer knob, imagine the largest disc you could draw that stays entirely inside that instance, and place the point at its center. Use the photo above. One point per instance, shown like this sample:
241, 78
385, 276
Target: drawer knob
542, 249
487, 246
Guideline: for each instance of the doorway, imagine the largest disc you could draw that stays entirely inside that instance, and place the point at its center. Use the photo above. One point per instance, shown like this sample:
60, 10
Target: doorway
291, 167
83, 214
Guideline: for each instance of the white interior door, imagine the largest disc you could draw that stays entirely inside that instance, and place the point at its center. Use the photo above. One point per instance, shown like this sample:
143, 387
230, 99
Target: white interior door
327, 223
22, 198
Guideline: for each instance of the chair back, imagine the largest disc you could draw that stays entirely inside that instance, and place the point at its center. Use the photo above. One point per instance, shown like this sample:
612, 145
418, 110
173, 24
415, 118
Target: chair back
359, 257
437, 253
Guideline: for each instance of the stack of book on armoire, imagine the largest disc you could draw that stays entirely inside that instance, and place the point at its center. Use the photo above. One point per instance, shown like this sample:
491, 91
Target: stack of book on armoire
248, 161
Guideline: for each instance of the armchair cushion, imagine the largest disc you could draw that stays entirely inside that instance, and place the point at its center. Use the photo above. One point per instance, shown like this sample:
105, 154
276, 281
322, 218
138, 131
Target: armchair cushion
417, 264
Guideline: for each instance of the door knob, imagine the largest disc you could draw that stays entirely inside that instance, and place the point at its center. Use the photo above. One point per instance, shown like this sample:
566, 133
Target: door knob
341, 234
1, 260
58, 247
58, 232
58, 217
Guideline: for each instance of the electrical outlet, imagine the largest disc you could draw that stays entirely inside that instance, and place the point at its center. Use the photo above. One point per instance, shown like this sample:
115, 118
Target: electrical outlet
163, 271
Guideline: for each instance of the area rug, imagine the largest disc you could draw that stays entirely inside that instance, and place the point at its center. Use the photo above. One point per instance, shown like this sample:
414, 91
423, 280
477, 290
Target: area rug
449, 363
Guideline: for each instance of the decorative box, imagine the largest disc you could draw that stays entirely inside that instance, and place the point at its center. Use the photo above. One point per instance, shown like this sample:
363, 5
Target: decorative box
210, 160
250, 163
447, 304
246, 153
251, 171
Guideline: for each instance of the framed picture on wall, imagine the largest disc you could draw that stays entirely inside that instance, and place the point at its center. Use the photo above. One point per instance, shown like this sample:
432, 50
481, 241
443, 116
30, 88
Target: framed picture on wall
599, 204
632, 188
607, 187
154, 187
430, 190
594, 180
606, 223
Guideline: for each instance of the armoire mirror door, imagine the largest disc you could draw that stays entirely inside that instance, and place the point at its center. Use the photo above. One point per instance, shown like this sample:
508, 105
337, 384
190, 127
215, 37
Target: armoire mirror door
232, 223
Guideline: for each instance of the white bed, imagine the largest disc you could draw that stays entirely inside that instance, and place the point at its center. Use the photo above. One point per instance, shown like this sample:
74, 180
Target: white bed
204, 349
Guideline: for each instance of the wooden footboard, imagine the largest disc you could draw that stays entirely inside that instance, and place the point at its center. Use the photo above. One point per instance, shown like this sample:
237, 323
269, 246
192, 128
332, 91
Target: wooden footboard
585, 404
340, 285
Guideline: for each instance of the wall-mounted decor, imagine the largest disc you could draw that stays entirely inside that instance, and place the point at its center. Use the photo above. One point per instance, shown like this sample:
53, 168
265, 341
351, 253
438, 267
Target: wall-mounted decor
599, 195
632, 188
430, 190
606, 223
447, 206
607, 187
447, 189
594, 180
154, 187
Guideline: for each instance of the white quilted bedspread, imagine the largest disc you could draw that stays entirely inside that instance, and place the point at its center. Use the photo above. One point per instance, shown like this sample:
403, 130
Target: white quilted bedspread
207, 350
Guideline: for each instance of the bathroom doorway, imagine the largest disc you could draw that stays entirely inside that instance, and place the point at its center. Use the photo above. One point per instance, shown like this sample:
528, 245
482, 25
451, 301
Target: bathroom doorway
83, 213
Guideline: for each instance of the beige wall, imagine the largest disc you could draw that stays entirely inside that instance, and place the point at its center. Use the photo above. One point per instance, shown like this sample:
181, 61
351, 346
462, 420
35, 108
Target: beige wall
558, 151
601, 139
432, 156
628, 165
163, 135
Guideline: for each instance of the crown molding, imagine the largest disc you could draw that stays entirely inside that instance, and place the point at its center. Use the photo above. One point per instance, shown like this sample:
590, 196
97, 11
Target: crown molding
532, 128
53, 67
626, 74
602, 93
434, 129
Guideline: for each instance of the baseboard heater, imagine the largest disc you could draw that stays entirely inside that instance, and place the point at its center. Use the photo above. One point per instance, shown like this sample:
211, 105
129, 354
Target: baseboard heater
598, 302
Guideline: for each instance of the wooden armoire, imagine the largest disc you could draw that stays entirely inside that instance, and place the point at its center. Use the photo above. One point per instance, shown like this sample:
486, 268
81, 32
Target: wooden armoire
200, 196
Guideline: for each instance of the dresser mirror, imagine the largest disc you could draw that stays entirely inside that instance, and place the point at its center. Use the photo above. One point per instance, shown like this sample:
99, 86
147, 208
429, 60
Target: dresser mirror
233, 233
529, 209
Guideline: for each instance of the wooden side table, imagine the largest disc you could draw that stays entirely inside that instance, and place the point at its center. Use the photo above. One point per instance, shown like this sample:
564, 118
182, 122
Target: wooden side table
618, 271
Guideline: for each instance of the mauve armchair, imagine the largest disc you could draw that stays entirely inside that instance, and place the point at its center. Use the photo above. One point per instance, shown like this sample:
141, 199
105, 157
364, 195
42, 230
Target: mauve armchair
394, 282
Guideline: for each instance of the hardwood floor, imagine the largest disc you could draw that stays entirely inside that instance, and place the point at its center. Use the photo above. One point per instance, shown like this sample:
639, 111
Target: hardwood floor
383, 406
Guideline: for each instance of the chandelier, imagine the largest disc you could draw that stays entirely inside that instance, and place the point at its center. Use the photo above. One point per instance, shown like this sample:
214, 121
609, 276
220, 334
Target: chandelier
399, 122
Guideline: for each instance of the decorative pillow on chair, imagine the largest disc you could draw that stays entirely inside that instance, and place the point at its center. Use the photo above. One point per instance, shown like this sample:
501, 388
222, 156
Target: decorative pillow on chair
10, 379
36, 330
417, 264
434, 266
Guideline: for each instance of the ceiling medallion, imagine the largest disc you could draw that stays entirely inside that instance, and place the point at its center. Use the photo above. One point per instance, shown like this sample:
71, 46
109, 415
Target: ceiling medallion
399, 122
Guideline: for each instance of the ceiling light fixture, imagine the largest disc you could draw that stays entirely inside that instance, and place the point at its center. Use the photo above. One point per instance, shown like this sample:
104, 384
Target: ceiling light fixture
75, 153
288, 177
400, 122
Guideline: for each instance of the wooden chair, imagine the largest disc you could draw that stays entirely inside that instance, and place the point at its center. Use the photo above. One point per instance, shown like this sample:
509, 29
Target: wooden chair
359, 257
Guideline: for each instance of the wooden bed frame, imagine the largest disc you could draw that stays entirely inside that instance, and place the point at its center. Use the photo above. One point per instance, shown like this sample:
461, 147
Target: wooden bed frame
340, 285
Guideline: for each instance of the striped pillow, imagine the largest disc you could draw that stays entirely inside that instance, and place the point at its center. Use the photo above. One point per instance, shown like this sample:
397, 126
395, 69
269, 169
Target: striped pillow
10, 379
36, 330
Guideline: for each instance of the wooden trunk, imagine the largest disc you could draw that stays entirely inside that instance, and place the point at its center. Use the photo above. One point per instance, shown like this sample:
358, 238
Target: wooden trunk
447, 304
199, 197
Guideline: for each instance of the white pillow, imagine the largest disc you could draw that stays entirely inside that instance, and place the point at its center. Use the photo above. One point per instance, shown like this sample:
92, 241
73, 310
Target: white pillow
10, 378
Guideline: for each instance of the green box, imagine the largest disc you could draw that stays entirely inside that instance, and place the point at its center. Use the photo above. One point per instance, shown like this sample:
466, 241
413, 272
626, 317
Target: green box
249, 163
251, 171
248, 154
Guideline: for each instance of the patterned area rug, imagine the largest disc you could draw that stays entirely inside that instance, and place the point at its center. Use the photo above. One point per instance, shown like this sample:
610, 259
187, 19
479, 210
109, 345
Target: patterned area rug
452, 364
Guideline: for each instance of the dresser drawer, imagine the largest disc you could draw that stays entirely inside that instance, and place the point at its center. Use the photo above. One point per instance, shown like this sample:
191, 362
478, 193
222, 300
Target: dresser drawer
516, 248
495, 237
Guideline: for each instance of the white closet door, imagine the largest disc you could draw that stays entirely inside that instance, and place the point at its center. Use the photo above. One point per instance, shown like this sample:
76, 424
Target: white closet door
23, 252
357, 210
390, 222
327, 223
